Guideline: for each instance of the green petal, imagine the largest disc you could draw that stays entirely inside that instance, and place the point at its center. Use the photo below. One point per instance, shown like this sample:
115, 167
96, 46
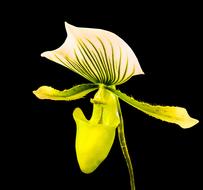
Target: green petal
93, 142
171, 114
74, 93
95, 137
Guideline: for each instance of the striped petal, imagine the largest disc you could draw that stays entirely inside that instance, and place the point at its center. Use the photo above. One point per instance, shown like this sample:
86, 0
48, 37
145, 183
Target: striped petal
98, 55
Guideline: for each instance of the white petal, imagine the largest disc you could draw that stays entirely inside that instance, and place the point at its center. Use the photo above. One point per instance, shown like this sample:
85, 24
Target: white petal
98, 55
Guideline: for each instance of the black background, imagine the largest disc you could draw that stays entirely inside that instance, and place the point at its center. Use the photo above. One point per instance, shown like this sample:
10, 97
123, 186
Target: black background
167, 41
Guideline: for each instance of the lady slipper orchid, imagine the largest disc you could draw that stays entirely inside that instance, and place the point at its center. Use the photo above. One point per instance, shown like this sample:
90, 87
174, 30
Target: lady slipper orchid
105, 60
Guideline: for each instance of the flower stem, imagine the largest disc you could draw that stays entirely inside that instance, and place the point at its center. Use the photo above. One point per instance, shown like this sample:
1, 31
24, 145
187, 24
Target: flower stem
123, 144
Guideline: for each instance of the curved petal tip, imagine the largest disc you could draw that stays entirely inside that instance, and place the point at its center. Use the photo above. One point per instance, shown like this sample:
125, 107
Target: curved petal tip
44, 54
69, 29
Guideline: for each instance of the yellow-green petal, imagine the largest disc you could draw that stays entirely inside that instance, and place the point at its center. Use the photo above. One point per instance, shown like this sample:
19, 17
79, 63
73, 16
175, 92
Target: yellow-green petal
94, 137
172, 114
74, 93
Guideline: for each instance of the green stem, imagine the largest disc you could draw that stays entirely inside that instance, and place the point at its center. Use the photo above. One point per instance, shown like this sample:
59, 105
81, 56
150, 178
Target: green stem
123, 144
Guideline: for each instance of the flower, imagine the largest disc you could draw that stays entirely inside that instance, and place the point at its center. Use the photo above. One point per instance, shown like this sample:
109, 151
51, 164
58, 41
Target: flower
105, 60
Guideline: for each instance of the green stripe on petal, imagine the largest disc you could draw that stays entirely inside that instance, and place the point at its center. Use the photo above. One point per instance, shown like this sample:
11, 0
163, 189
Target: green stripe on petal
74, 93
171, 114
91, 57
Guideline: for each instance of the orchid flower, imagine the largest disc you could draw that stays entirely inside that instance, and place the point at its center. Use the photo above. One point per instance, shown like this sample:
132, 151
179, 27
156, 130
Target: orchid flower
106, 61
